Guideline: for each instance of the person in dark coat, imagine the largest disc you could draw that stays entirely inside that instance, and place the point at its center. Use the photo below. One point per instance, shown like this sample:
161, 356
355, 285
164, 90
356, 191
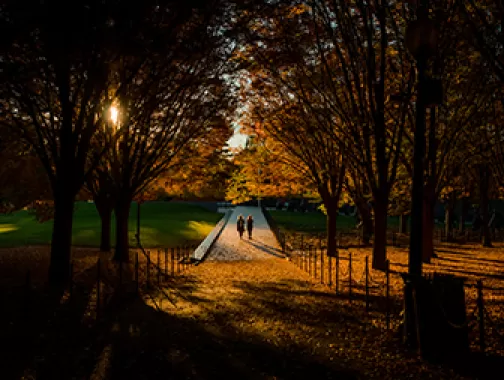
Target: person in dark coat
250, 226
240, 225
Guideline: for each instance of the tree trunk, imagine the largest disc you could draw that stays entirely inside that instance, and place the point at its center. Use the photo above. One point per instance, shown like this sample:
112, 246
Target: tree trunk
403, 224
105, 212
484, 201
428, 231
380, 235
332, 215
61, 243
122, 210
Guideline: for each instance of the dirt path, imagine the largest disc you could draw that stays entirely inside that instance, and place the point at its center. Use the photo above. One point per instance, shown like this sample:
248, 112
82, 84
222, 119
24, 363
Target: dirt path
247, 313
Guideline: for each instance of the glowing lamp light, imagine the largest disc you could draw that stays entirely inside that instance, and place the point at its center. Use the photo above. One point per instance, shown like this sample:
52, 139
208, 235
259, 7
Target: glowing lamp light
114, 114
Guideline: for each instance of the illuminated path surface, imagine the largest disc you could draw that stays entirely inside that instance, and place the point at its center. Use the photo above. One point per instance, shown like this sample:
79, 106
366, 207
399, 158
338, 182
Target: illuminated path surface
229, 246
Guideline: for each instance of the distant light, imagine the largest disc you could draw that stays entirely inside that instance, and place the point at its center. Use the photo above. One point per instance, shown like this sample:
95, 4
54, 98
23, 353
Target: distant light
114, 114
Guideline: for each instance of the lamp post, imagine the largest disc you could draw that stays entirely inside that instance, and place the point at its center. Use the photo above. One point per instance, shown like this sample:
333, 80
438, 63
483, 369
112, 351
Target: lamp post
421, 41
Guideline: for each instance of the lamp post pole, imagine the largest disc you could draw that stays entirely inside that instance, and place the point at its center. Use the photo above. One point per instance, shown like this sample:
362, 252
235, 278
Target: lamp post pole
421, 40
416, 237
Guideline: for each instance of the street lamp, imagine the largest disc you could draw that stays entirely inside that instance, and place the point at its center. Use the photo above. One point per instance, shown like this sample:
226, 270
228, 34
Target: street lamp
421, 41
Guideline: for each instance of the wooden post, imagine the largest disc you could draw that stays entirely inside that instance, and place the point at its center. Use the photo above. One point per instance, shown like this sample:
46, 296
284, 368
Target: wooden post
315, 261
367, 284
481, 316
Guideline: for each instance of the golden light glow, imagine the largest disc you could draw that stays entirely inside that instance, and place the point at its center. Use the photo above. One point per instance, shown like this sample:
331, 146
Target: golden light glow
114, 114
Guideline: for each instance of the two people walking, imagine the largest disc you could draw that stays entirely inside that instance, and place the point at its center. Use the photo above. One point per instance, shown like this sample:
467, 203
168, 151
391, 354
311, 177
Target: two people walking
240, 226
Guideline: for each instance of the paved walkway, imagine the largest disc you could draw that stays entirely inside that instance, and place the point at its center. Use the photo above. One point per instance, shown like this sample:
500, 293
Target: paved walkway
229, 246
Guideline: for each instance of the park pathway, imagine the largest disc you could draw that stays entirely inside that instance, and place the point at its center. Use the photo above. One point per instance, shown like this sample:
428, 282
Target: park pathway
246, 312
229, 246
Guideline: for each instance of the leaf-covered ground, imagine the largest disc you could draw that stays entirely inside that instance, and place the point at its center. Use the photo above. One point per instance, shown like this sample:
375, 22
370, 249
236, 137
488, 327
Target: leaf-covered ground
261, 318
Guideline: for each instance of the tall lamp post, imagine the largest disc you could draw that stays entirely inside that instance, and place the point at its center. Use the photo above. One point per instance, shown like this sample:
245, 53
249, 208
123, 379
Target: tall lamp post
421, 41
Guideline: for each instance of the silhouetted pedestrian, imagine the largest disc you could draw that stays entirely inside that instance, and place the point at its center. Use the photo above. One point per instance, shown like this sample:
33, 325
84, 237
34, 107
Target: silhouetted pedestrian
240, 225
250, 226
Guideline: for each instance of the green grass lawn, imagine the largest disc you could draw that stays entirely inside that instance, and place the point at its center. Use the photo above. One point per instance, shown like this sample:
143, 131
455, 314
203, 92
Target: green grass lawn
314, 222
163, 224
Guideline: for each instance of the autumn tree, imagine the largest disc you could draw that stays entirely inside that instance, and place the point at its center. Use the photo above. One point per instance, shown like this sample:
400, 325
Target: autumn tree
351, 55
59, 61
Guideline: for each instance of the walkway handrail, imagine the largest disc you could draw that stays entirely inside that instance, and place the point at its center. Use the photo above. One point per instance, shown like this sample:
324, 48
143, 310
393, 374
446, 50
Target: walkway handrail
206, 245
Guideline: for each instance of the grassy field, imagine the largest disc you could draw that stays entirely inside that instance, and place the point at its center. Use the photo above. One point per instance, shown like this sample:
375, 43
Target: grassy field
162, 224
314, 222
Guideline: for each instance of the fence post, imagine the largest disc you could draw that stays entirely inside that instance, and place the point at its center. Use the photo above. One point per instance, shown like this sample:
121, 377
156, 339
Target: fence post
321, 264
173, 261
166, 262
387, 294
70, 290
367, 284
310, 260
148, 268
120, 275
350, 275
98, 283
481, 317
178, 259
137, 285
315, 261
330, 269
337, 271
158, 268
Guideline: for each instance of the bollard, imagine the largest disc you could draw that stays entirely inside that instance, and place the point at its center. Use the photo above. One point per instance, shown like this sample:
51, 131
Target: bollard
387, 294
367, 284
481, 318
98, 282
350, 275
137, 284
